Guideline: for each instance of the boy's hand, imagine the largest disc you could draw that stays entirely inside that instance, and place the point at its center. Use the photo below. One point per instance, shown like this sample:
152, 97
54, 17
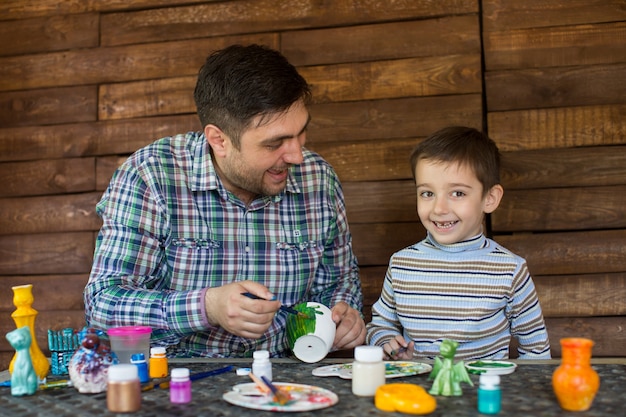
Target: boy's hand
399, 349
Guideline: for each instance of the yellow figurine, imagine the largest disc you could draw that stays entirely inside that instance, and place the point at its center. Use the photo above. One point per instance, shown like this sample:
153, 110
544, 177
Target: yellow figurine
25, 315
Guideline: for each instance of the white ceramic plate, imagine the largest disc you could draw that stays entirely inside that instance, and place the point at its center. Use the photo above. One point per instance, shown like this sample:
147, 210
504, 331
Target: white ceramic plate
303, 397
489, 367
393, 369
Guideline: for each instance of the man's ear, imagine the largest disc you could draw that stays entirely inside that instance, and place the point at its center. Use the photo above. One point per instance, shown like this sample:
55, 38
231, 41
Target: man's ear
216, 139
493, 198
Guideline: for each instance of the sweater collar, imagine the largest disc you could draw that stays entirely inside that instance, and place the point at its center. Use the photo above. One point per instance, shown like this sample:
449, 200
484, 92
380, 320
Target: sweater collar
474, 243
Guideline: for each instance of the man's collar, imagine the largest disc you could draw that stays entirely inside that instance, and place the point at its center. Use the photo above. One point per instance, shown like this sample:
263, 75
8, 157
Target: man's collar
204, 176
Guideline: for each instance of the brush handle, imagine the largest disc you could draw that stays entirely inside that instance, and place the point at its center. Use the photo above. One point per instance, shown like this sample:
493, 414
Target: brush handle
202, 375
282, 307
269, 384
290, 310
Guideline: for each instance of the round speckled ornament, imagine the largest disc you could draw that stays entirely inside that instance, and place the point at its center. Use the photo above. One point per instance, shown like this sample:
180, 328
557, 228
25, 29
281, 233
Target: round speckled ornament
88, 367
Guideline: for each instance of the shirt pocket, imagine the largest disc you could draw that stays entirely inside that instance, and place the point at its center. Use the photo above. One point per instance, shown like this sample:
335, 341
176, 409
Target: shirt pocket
194, 262
297, 256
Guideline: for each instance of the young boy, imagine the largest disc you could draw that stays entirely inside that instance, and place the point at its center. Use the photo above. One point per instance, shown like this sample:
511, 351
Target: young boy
456, 283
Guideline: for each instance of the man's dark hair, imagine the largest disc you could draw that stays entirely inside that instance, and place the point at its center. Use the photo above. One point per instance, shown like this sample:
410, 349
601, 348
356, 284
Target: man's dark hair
239, 83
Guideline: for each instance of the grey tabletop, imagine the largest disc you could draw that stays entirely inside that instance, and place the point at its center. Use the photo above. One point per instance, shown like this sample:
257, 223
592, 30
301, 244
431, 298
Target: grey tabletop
526, 392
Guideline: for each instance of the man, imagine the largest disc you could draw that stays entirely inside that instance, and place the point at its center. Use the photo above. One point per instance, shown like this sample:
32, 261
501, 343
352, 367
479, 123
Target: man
192, 222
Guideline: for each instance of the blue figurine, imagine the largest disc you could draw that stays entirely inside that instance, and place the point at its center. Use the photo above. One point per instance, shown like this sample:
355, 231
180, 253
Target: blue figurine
448, 375
24, 380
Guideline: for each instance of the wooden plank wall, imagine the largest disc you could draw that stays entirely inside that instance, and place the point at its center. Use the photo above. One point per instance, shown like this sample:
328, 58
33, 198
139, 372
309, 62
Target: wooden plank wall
555, 87
84, 84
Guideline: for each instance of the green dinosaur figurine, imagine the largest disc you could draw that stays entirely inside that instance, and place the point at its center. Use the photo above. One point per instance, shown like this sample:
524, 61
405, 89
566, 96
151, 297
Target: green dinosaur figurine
448, 376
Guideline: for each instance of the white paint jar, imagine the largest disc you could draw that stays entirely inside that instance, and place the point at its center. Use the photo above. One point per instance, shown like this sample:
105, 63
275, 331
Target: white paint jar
368, 370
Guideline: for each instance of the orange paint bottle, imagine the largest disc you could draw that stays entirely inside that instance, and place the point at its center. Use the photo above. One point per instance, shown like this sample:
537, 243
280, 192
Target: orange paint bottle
158, 362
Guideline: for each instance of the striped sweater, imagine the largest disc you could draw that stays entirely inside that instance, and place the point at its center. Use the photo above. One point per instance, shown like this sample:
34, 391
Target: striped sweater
475, 292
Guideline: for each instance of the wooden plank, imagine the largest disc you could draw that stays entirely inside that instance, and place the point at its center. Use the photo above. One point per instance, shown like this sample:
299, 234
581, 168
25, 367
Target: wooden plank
20, 9
47, 253
555, 87
65, 309
105, 167
561, 209
359, 120
335, 83
381, 201
566, 253
49, 106
428, 37
369, 160
56, 176
566, 167
5, 358
515, 14
106, 65
392, 118
452, 74
374, 243
607, 333
559, 295
248, 16
372, 278
49, 214
559, 127
44, 34
89, 139
53, 320
165, 96
555, 46
582, 295
67, 290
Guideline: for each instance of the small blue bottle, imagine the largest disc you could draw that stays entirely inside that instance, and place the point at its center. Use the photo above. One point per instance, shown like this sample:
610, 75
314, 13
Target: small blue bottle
139, 360
489, 394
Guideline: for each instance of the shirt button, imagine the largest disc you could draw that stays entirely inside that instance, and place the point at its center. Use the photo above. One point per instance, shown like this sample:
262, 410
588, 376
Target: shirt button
247, 249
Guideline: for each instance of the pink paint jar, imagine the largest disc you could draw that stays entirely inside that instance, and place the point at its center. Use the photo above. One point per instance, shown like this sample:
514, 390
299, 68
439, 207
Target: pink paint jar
180, 386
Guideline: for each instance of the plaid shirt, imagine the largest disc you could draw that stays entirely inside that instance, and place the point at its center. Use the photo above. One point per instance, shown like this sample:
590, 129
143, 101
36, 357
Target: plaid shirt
170, 230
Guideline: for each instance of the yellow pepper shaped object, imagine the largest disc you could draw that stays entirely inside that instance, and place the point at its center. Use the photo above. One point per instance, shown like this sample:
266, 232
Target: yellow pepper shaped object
405, 398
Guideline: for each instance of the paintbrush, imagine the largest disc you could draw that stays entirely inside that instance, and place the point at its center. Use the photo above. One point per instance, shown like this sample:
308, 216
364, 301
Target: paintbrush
398, 351
260, 384
61, 383
164, 383
290, 310
202, 375
280, 396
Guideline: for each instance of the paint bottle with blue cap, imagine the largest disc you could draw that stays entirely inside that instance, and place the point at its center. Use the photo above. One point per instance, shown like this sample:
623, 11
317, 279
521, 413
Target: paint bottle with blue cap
139, 360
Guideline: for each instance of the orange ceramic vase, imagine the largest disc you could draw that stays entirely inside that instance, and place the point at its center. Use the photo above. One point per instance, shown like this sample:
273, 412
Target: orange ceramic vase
575, 382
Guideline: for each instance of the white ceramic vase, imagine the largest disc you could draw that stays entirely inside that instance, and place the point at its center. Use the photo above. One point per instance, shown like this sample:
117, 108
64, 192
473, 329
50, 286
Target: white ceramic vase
311, 338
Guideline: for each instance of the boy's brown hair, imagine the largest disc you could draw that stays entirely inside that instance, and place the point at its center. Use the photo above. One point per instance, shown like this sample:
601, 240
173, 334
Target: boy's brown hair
466, 146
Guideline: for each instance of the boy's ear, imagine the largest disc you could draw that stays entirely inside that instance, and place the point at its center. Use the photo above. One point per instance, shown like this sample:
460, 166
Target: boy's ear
216, 139
493, 198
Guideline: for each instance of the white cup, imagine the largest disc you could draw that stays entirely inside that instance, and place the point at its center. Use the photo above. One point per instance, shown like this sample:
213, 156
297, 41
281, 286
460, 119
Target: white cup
311, 338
